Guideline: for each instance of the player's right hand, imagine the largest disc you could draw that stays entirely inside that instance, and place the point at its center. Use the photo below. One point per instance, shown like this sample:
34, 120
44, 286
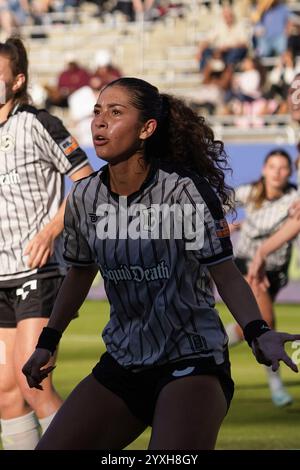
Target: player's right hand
33, 368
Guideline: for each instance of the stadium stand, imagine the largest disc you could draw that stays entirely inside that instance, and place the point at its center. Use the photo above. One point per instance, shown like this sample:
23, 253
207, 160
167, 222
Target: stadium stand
162, 50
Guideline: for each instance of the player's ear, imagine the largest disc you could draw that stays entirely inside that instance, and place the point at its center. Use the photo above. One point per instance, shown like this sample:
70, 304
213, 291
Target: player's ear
148, 129
18, 82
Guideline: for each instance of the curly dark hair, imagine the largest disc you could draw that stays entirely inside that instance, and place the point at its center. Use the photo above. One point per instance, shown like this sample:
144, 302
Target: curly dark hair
181, 135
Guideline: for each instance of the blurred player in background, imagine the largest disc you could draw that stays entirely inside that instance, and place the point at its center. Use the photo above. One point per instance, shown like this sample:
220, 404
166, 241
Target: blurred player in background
166, 363
36, 151
267, 202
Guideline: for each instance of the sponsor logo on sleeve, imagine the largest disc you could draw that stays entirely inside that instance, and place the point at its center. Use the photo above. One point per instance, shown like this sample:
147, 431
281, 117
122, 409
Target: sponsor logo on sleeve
69, 145
222, 229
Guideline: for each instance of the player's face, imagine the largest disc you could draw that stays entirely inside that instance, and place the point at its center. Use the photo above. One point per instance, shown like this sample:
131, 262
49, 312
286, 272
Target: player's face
6, 80
276, 172
116, 127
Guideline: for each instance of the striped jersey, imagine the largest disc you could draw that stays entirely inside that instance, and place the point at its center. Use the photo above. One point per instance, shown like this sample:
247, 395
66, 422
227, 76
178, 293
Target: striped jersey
156, 280
36, 151
260, 223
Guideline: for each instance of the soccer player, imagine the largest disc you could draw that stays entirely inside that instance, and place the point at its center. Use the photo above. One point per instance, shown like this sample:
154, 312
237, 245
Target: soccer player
267, 202
36, 151
152, 222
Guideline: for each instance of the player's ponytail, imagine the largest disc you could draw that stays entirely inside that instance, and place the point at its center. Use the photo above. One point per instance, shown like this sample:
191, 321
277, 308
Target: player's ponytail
181, 136
14, 49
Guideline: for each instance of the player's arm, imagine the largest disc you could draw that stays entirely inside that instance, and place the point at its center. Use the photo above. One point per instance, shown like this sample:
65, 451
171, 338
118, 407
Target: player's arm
69, 300
267, 345
288, 231
72, 292
41, 247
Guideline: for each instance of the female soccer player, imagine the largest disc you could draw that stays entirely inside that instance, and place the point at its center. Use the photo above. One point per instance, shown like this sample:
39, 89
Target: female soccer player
267, 203
36, 151
152, 222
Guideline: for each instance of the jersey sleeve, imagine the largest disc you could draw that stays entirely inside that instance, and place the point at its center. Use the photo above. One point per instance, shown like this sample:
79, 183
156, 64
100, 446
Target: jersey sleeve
212, 243
76, 248
58, 147
242, 194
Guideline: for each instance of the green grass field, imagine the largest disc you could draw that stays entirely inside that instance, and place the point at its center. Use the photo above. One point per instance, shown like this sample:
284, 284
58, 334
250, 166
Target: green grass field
252, 422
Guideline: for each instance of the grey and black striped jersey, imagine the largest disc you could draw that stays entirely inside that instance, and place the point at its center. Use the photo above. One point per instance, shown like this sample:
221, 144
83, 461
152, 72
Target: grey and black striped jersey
260, 223
158, 286
36, 151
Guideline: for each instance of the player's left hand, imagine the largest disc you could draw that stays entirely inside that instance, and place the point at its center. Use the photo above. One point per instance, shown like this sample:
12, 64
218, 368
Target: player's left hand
40, 248
269, 349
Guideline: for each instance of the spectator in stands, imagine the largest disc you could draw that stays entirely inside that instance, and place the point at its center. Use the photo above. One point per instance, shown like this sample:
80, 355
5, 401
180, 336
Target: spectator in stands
280, 78
247, 92
71, 79
216, 83
135, 9
294, 39
271, 18
81, 102
105, 71
12, 15
229, 37
247, 84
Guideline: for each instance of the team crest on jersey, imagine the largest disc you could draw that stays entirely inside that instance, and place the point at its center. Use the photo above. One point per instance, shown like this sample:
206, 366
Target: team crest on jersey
7, 143
69, 145
222, 229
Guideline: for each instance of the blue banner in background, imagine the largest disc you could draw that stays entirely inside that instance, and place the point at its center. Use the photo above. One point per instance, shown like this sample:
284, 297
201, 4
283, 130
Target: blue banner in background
246, 161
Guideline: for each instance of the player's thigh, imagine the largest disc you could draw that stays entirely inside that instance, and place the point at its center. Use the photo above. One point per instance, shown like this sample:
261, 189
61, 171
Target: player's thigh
92, 417
188, 414
11, 399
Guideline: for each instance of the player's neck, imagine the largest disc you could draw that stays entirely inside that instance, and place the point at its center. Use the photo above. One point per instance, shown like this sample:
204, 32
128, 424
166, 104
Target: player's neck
5, 109
127, 177
273, 193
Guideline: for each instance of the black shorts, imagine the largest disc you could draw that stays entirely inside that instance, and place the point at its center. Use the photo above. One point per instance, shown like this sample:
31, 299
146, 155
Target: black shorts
32, 298
277, 279
140, 389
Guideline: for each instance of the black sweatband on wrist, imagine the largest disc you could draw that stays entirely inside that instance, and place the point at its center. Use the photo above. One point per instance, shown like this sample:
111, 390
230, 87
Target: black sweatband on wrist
254, 329
49, 339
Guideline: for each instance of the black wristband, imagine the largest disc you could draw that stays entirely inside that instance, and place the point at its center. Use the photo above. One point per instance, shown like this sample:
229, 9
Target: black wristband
49, 339
254, 329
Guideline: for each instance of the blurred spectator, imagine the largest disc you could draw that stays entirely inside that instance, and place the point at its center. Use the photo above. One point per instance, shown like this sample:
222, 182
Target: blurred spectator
81, 107
69, 80
271, 18
294, 39
13, 14
248, 83
229, 37
82, 101
135, 9
215, 84
280, 79
247, 91
105, 71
